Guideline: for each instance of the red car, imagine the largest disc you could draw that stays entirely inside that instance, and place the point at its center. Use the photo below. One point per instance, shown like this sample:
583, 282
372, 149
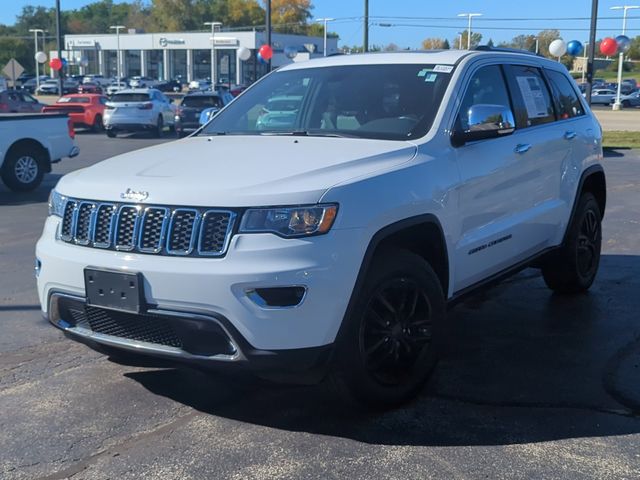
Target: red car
89, 87
84, 110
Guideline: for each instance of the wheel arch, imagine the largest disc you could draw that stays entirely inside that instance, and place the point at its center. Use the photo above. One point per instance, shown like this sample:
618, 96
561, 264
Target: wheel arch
30, 143
593, 181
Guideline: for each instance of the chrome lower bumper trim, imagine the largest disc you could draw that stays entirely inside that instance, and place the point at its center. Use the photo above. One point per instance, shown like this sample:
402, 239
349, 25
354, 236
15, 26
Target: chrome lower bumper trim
140, 346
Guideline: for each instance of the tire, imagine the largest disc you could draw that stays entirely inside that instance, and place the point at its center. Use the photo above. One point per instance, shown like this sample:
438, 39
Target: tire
159, 127
574, 267
626, 104
24, 168
111, 134
384, 358
97, 126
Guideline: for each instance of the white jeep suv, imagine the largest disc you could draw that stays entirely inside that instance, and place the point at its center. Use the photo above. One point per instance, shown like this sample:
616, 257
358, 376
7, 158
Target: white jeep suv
330, 242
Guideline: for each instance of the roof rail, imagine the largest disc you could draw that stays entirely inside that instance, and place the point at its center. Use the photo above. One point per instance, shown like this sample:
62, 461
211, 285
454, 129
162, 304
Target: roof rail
487, 48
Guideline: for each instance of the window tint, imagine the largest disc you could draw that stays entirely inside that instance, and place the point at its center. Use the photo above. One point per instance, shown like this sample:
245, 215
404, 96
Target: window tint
202, 101
130, 97
534, 95
487, 87
567, 101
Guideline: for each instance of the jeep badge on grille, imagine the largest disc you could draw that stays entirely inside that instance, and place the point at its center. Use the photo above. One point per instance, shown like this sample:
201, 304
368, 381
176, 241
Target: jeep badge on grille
129, 194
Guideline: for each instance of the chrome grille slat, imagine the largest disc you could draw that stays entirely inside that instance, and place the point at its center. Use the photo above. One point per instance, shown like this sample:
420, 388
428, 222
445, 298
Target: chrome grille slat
148, 229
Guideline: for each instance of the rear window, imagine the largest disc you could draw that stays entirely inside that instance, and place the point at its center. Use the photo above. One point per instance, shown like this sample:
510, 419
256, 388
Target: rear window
201, 101
534, 95
567, 100
130, 97
74, 100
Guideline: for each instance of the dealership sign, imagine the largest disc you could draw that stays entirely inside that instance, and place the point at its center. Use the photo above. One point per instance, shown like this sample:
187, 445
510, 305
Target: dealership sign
165, 42
81, 42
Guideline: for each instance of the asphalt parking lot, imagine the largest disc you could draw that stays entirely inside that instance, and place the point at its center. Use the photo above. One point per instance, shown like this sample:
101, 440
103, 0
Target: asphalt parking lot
533, 385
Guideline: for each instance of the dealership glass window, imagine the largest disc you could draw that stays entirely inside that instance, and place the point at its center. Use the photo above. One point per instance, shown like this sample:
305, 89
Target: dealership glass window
155, 64
91, 56
251, 70
132, 63
178, 64
226, 71
110, 63
201, 64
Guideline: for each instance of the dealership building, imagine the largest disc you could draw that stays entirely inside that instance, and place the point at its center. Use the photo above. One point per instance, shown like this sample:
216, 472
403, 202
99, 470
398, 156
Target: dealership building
187, 55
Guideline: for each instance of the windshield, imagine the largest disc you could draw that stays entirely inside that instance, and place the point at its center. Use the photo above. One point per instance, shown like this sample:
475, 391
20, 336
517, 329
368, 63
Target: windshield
395, 102
74, 100
130, 97
201, 101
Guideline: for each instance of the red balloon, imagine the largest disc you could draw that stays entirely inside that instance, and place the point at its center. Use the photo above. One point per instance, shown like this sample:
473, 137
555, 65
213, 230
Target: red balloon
56, 63
608, 46
266, 52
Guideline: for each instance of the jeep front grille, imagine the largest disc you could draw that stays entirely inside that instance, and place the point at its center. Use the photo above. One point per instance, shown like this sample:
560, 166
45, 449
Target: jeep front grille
153, 229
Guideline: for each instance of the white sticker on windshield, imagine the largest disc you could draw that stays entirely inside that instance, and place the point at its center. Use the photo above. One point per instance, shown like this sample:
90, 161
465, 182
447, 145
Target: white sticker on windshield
443, 68
533, 98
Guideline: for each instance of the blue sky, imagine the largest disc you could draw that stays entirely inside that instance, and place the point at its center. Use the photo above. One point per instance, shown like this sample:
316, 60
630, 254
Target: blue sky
410, 31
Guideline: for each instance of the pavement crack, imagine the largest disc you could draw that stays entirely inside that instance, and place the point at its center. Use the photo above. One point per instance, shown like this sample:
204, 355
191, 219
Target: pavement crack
117, 449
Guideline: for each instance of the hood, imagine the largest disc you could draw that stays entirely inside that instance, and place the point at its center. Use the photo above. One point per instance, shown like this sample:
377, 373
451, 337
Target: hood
236, 171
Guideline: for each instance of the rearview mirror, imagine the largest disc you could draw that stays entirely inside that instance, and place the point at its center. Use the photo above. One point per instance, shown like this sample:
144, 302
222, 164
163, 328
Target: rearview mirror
483, 121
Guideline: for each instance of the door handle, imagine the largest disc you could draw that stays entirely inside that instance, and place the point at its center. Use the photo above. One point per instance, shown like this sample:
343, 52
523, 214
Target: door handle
569, 135
522, 147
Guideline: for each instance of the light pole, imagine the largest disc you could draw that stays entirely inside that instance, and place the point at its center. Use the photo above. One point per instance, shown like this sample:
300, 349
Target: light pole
459, 41
117, 28
35, 32
617, 105
213, 26
584, 60
325, 21
470, 16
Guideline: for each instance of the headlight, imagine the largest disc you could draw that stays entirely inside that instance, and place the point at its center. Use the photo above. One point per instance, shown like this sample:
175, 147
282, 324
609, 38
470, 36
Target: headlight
56, 204
290, 221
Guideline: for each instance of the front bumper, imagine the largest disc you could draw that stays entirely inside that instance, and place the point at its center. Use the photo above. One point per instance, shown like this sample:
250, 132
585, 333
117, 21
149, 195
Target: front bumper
222, 287
204, 341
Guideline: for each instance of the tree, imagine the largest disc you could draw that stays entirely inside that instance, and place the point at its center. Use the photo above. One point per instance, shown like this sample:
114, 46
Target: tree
290, 16
445, 44
476, 38
433, 43
545, 37
392, 47
16, 48
490, 43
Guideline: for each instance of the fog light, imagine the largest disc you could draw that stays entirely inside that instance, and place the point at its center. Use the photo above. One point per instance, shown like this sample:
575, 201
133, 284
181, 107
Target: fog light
38, 267
277, 297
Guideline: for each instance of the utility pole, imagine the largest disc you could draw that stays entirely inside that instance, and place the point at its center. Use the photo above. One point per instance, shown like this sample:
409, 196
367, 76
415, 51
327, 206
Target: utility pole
35, 32
268, 26
617, 105
366, 26
325, 21
59, 41
592, 48
117, 28
214, 61
470, 16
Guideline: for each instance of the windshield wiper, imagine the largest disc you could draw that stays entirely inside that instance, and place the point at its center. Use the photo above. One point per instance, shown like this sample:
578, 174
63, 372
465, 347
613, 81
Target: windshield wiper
307, 133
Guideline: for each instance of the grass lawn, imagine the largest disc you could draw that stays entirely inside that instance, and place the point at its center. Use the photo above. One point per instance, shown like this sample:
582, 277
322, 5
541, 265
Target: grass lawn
617, 139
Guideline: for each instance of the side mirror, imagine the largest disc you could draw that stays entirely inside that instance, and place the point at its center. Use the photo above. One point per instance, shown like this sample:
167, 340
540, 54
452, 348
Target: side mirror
483, 121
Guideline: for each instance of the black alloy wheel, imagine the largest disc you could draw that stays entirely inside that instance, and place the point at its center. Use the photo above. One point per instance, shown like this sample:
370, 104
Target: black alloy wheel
395, 330
588, 247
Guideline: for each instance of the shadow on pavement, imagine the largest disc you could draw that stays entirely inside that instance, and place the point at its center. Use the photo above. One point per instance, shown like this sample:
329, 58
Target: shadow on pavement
523, 366
39, 195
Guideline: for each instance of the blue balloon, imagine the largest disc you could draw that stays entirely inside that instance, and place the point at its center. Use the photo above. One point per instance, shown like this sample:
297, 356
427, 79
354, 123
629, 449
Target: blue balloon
260, 59
64, 62
574, 48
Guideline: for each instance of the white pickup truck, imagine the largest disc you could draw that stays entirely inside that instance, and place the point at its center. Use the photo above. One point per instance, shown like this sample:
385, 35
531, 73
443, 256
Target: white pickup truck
29, 144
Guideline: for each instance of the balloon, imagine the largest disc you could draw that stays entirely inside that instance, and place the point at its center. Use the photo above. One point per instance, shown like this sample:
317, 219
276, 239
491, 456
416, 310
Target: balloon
55, 63
291, 52
41, 57
557, 48
244, 54
624, 43
260, 59
574, 48
84, 62
64, 62
608, 46
266, 52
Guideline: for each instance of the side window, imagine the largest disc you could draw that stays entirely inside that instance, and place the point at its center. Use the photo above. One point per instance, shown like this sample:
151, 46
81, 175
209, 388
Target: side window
487, 87
567, 101
533, 94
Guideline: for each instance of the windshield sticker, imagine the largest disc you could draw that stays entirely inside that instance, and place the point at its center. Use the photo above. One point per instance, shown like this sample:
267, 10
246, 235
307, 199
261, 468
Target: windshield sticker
430, 77
532, 95
423, 72
443, 68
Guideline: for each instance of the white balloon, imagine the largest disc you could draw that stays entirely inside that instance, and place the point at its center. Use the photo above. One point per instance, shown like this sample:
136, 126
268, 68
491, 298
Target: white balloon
41, 57
244, 53
557, 48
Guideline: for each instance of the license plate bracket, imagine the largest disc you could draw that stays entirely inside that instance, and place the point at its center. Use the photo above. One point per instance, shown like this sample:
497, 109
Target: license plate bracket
114, 290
